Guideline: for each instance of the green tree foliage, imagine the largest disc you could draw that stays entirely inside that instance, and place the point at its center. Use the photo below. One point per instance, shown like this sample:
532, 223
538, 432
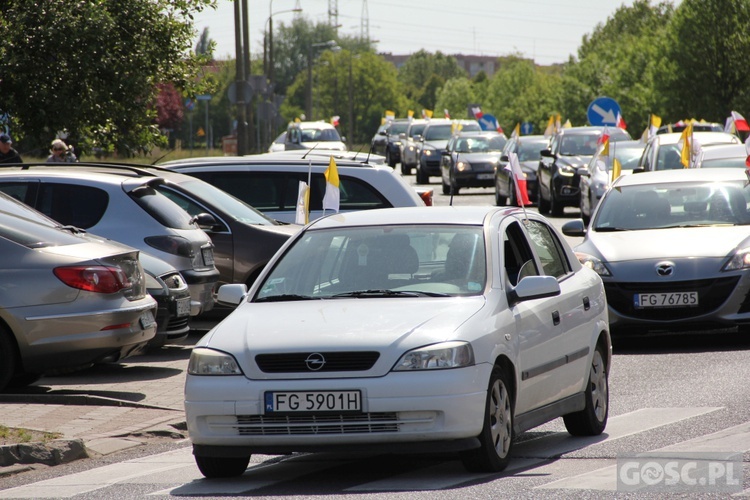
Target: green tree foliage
424, 73
455, 96
620, 60
205, 45
92, 68
706, 60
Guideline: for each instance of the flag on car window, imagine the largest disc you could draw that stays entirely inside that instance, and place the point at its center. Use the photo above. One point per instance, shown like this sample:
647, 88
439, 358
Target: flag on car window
621, 122
616, 168
740, 124
333, 193
519, 178
603, 142
426, 113
550, 130
303, 204
516, 131
477, 111
447, 115
335, 120
685, 143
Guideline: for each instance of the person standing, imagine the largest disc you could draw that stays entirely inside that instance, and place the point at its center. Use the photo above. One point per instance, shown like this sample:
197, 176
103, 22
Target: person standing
7, 153
61, 153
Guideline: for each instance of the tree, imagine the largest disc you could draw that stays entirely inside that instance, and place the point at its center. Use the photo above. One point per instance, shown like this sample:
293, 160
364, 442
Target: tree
205, 45
706, 60
455, 96
92, 68
423, 74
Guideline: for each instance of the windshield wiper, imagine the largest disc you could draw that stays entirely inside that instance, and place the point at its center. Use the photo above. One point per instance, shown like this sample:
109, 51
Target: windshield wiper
287, 297
609, 229
388, 293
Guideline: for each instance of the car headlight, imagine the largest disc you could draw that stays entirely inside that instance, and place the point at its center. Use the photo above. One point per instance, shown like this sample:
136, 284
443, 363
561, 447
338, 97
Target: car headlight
567, 170
593, 263
463, 166
428, 152
209, 362
740, 260
437, 357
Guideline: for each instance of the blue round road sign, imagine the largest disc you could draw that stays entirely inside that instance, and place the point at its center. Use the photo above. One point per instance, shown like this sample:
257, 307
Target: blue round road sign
603, 111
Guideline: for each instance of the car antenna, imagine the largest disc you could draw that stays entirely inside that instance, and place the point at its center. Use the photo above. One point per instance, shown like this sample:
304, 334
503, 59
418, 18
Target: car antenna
367, 160
310, 150
357, 153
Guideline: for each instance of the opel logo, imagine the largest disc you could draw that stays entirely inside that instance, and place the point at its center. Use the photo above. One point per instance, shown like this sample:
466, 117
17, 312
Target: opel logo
664, 269
315, 361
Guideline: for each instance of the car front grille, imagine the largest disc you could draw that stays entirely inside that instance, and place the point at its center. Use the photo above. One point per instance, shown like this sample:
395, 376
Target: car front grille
483, 167
307, 362
274, 425
711, 294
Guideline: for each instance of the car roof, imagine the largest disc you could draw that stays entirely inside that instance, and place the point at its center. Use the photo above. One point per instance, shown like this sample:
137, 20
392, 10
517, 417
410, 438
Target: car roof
704, 137
318, 124
592, 129
481, 133
269, 159
711, 151
445, 215
681, 175
102, 173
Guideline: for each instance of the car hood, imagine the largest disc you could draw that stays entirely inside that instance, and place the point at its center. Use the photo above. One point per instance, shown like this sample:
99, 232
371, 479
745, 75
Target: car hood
574, 161
480, 157
696, 242
391, 326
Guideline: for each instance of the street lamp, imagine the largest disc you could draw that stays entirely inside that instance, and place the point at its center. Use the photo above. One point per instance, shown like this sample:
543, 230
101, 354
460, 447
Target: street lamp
270, 38
331, 44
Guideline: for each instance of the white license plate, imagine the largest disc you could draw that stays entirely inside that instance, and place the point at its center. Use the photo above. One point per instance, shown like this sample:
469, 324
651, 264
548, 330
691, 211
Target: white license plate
183, 307
313, 402
147, 320
666, 299
485, 177
208, 256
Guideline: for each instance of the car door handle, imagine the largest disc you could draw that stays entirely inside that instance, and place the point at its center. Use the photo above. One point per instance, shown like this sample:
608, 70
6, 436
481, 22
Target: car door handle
586, 304
555, 317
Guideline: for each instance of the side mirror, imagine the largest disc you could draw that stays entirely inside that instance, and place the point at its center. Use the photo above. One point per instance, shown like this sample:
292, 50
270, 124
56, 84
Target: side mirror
583, 171
547, 153
343, 138
574, 227
205, 221
382, 132
418, 138
504, 158
534, 287
231, 294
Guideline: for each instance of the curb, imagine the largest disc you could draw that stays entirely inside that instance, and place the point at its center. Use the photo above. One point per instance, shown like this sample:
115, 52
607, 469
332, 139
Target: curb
55, 452
77, 400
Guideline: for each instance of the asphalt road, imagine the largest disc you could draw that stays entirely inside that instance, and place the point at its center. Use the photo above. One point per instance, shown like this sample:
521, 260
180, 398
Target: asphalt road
679, 398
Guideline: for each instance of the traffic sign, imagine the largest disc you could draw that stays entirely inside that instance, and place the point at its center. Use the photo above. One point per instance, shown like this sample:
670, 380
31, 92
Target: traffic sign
488, 122
603, 111
203, 97
189, 104
527, 128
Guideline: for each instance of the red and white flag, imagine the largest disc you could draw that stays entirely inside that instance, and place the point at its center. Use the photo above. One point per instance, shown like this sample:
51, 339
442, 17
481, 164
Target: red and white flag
335, 120
477, 112
621, 122
740, 124
519, 178
447, 115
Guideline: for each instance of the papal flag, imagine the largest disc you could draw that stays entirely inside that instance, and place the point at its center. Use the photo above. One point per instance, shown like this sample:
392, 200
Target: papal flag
331, 198
616, 169
686, 143
550, 130
516, 131
427, 114
303, 204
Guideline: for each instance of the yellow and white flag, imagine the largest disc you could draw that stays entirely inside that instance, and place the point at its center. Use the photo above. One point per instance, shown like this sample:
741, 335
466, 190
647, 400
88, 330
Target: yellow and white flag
332, 196
303, 204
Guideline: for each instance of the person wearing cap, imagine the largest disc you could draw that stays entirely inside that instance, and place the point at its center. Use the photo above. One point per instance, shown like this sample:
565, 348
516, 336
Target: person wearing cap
61, 153
7, 153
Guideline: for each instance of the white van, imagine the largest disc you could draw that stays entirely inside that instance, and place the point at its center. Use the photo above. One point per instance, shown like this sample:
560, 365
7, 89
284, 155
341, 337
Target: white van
318, 135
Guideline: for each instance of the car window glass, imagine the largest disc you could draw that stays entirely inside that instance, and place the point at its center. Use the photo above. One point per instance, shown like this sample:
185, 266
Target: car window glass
71, 204
260, 190
517, 254
669, 158
430, 259
438, 132
161, 208
416, 130
530, 151
227, 203
548, 249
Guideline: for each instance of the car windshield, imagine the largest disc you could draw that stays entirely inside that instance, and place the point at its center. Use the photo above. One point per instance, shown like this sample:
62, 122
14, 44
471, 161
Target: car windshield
416, 129
380, 261
322, 135
481, 144
579, 145
679, 204
438, 132
398, 127
530, 150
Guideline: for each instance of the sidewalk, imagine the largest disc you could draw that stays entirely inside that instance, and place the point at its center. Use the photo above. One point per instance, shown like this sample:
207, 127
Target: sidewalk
98, 411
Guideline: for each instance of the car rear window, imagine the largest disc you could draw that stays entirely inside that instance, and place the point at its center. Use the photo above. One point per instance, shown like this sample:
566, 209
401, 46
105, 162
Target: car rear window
161, 208
71, 204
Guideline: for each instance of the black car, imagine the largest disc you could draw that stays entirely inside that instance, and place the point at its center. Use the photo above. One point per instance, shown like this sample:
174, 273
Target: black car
529, 150
470, 160
167, 286
434, 141
387, 141
569, 150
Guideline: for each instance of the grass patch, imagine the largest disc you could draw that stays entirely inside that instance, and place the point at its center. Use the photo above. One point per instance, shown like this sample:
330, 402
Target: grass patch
12, 435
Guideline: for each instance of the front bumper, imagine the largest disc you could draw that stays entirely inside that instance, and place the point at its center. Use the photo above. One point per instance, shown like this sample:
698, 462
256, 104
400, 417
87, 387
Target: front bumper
400, 408
567, 188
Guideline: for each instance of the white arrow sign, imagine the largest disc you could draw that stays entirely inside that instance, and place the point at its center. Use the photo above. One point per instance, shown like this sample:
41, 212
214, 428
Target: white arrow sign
608, 116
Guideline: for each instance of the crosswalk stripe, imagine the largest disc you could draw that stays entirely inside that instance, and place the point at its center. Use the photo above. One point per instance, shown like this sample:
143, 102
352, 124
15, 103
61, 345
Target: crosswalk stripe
732, 439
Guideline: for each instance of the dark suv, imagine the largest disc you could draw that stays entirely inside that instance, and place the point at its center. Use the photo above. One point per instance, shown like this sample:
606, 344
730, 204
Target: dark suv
435, 138
569, 150
387, 141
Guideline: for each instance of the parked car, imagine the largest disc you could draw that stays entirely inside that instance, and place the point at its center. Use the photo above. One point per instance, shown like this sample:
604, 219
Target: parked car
673, 251
722, 155
663, 151
68, 301
278, 143
435, 138
391, 147
308, 135
470, 160
123, 206
411, 330
270, 183
596, 177
569, 149
326, 154
528, 148
410, 145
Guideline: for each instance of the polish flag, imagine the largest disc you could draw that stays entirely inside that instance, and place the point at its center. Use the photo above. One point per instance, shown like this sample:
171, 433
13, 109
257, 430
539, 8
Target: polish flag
477, 112
621, 122
514, 166
740, 124
447, 115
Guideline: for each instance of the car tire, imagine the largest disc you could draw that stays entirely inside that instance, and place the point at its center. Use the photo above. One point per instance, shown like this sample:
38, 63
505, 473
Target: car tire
222, 467
446, 187
512, 201
422, 177
454, 187
496, 438
555, 207
543, 204
592, 420
389, 158
405, 169
23, 380
8, 359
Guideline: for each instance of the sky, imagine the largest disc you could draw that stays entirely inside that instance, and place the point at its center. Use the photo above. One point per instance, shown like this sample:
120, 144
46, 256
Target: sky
547, 31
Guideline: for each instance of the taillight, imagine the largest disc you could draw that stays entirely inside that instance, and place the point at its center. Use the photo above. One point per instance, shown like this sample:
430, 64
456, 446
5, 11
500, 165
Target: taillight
99, 279
176, 245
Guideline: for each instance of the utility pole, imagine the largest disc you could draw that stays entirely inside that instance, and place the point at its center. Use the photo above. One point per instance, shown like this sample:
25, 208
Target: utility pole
239, 76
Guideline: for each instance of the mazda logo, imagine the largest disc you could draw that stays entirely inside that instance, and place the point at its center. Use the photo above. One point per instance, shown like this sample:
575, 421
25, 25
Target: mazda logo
664, 269
315, 361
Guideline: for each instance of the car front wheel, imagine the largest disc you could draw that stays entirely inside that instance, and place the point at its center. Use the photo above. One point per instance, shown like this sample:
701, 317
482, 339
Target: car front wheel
7, 359
543, 204
422, 177
555, 207
405, 169
592, 420
497, 433
220, 467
